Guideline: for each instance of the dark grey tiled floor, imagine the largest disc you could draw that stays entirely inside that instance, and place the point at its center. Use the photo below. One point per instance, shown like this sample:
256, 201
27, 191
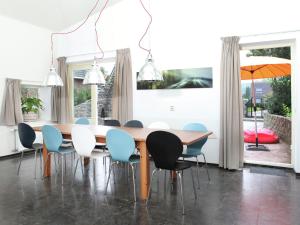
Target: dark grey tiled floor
233, 198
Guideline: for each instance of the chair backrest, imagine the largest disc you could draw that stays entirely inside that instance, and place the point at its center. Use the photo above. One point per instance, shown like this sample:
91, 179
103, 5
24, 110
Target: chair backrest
134, 123
84, 140
113, 123
83, 121
52, 138
165, 148
26, 134
120, 145
195, 148
159, 125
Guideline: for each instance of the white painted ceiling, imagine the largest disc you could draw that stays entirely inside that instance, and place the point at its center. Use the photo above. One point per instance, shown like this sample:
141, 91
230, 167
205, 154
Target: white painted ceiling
54, 15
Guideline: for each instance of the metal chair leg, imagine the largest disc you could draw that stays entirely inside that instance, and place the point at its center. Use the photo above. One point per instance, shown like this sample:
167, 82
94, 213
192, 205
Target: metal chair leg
149, 191
75, 170
109, 172
198, 172
94, 168
35, 151
62, 169
195, 193
206, 166
55, 163
133, 179
81, 164
65, 164
181, 191
21, 158
41, 161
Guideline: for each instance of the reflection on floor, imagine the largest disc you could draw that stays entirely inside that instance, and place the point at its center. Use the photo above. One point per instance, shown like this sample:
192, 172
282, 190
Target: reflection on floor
231, 198
279, 153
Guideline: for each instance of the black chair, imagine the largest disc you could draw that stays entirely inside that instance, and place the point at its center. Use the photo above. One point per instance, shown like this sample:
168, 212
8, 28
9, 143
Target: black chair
134, 123
165, 149
27, 137
112, 122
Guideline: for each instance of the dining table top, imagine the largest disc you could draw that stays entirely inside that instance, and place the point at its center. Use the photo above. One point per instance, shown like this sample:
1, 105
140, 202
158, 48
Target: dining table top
139, 134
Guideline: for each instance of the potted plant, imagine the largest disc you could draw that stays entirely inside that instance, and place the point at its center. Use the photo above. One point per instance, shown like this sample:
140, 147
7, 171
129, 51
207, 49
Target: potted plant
31, 107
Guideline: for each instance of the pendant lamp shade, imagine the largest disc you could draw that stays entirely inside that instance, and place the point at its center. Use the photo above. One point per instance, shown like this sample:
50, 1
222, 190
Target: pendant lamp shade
94, 76
53, 79
149, 72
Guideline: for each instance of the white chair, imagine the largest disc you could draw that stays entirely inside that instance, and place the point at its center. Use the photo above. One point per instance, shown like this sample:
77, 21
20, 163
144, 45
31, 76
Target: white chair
84, 142
159, 125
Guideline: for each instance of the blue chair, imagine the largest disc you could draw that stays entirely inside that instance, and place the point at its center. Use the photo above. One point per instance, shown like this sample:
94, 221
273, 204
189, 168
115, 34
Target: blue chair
53, 140
134, 123
195, 149
121, 147
82, 121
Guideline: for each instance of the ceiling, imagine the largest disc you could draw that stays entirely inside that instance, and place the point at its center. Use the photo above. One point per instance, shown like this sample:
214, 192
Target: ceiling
54, 15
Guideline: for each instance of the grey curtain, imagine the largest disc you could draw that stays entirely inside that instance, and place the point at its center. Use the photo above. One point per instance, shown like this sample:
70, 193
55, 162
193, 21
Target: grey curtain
231, 135
60, 96
122, 106
11, 113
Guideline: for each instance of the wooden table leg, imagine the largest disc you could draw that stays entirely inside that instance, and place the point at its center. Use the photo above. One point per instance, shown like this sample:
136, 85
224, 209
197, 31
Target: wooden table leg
47, 168
144, 170
86, 161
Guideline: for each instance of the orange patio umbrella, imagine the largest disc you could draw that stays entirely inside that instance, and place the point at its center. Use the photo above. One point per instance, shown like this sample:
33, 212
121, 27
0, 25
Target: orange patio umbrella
260, 67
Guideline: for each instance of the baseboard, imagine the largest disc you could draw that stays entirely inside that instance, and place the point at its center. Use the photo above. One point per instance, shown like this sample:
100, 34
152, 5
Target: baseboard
15, 155
297, 175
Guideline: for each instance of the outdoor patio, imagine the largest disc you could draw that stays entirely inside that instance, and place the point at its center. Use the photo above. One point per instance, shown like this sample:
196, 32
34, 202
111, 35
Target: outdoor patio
279, 153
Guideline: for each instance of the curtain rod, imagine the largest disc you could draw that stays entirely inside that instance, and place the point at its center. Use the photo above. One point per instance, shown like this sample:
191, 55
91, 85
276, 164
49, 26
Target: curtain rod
91, 53
269, 33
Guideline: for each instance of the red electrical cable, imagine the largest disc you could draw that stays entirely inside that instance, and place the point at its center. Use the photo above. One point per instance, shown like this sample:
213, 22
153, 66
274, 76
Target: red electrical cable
80, 25
140, 45
96, 32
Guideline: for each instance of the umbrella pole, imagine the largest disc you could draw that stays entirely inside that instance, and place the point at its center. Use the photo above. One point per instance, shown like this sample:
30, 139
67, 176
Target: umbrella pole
255, 147
254, 107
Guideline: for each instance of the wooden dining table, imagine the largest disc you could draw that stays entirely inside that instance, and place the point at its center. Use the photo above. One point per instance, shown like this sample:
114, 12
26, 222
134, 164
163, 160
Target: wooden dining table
139, 135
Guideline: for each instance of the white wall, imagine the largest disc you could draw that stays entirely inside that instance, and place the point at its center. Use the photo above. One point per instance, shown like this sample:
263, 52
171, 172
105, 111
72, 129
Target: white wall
25, 55
184, 34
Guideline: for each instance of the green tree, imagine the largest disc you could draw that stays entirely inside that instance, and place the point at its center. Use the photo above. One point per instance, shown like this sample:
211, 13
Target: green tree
280, 101
247, 94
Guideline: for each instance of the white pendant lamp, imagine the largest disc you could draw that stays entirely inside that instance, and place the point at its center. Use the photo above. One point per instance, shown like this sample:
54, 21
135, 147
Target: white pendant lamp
94, 75
53, 79
148, 72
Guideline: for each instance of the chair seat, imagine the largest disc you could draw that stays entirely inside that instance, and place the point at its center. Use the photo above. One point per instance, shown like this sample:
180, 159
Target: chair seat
134, 158
65, 150
37, 146
182, 165
188, 155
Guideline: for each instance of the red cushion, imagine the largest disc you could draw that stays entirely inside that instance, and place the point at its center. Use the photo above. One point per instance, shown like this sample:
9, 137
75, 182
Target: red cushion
265, 136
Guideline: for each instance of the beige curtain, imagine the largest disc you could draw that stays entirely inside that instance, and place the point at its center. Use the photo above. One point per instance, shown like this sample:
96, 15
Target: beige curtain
122, 106
60, 96
11, 113
231, 138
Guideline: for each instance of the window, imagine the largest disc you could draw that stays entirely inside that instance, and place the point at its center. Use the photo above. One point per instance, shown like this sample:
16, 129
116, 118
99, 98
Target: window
82, 95
29, 91
105, 93
91, 101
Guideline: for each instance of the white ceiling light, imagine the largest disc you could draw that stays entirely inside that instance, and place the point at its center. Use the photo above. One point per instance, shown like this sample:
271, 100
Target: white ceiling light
148, 72
95, 75
53, 79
